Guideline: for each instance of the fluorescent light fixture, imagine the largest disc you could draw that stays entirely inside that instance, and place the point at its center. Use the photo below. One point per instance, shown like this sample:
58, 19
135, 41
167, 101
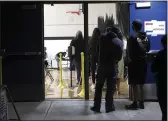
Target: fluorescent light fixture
143, 5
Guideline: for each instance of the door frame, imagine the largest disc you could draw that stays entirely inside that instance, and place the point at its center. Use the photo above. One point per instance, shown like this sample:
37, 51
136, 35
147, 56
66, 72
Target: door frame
86, 63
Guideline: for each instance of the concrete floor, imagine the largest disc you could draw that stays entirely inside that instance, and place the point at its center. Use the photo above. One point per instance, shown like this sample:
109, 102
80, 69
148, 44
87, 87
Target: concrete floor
80, 110
54, 92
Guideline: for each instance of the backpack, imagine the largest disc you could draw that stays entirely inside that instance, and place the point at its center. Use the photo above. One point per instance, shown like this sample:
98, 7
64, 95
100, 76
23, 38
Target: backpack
117, 48
144, 45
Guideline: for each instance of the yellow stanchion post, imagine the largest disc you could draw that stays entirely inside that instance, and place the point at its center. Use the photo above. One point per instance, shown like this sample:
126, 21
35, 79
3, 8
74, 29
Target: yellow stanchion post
82, 93
61, 83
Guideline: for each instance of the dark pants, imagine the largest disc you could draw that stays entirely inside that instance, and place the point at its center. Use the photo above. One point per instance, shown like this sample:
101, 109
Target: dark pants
78, 70
93, 68
137, 70
102, 76
162, 98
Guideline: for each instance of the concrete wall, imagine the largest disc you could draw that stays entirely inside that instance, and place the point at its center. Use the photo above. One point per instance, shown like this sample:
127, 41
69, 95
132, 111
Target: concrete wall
58, 23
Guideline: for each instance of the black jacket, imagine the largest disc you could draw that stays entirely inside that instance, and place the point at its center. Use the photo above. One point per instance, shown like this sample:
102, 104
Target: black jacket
93, 46
79, 47
159, 66
110, 49
137, 49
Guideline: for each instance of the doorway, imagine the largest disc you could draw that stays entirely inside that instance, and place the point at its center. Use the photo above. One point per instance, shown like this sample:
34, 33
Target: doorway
61, 23
107, 16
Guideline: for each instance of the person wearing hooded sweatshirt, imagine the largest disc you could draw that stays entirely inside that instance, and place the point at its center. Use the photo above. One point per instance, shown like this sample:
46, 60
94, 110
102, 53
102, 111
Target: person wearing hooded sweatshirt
120, 64
78, 43
93, 46
110, 51
138, 45
159, 66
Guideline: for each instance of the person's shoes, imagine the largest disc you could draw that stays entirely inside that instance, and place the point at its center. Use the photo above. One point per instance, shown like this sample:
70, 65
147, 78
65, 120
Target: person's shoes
93, 86
133, 106
95, 109
141, 105
108, 110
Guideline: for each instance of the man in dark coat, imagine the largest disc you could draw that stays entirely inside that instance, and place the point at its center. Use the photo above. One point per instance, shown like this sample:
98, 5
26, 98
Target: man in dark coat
110, 51
137, 46
160, 67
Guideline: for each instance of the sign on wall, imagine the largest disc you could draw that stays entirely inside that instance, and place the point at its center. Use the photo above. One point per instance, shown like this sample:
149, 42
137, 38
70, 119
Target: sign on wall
155, 28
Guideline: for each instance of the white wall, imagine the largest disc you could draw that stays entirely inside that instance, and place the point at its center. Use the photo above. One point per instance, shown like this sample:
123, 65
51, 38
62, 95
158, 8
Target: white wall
53, 47
59, 23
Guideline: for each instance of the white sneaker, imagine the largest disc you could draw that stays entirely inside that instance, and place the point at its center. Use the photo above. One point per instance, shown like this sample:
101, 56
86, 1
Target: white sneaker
93, 86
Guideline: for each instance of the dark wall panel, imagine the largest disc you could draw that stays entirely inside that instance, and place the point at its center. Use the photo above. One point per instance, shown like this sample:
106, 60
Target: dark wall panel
22, 31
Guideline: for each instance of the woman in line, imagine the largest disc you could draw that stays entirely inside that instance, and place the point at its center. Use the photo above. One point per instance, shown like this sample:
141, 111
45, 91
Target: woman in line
93, 46
78, 43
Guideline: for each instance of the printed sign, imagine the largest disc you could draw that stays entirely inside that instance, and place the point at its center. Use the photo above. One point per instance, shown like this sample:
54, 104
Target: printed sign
155, 28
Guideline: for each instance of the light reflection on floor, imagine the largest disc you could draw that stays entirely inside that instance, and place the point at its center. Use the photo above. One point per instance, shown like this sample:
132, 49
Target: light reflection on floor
54, 91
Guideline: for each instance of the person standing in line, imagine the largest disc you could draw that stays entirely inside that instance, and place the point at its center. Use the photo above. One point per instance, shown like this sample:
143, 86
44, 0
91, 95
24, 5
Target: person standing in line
78, 43
120, 64
93, 43
107, 30
159, 66
137, 45
110, 51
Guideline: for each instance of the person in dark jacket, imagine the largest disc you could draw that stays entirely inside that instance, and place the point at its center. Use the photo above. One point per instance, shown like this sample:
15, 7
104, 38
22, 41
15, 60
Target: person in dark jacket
110, 49
120, 64
93, 43
78, 43
159, 66
137, 46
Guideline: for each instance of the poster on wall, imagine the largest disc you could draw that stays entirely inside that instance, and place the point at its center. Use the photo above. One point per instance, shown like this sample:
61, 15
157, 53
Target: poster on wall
155, 28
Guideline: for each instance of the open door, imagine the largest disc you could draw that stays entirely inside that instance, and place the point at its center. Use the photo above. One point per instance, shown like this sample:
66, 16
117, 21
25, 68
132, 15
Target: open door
22, 40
